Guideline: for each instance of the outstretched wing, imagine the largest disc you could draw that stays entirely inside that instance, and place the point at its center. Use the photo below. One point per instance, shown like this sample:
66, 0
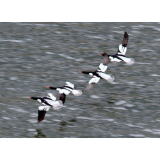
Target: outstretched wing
107, 77
70, 84
122, 49
65, 90
56, 104
50, 95
102, 67
42, 111
128, 61
125, 39
92, 82
62, 97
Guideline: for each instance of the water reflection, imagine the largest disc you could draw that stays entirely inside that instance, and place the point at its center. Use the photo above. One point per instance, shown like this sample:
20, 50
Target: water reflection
39, 134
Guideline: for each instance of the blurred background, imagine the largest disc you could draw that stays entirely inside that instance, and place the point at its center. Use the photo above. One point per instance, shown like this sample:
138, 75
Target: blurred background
35, 55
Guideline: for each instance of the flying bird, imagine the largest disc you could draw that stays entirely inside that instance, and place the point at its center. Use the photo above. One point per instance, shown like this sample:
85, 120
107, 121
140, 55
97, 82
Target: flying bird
66, 90
120, 55
99, 73
47, 102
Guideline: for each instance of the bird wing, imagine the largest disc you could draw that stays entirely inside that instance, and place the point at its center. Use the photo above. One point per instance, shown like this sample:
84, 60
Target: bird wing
92, 82
128, 61
42, 111
50, 95
122, 49
102, 67
70, 84
62, 97
125, 39
106, 76
65, 91
56, 104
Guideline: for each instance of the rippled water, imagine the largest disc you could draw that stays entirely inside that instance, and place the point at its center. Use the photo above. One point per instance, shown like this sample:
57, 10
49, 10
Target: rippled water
35, 55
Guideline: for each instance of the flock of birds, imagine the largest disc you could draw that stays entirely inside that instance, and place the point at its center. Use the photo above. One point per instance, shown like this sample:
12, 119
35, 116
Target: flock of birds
51, 101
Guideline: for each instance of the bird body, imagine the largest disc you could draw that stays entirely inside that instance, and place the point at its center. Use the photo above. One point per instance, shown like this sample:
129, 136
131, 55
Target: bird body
47, 102
66, 90
120, 55
99, 73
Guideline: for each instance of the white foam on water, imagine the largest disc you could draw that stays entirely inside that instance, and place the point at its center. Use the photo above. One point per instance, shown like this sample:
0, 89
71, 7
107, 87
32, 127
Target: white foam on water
110, 120
140, 85
80, 59
73, 109
120, 102
135, 110
120, 32
80, 80
65, 56
31, 130
154, 75
11, 89
83, 118
145, 50
157, 39
12, 40
19, 110
154, 131
129, 105
94, 96
137, 135
13, 78
7, 118
131, 125
58, 32
147, 130
33, 114
50, 53
99, 119
131, 83
24, 24
121, 108
135, 32
142, 63
32, 120
96, 37
156, 28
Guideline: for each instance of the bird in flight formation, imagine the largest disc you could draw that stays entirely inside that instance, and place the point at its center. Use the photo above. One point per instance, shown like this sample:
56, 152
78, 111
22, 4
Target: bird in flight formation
120, 55
66, 90
47, 102
50, 99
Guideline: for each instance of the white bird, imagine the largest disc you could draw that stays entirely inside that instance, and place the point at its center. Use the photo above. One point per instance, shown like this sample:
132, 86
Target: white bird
47, 102
99, 74
66, 90
120, 55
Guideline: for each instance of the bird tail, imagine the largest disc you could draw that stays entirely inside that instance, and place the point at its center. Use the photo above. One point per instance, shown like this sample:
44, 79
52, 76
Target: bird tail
111, 79
130, 61
57, 105
76, 92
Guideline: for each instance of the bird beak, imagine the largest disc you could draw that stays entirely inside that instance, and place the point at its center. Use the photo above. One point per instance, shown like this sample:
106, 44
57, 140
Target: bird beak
47, 87
99, 54
29, 97
80, 71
